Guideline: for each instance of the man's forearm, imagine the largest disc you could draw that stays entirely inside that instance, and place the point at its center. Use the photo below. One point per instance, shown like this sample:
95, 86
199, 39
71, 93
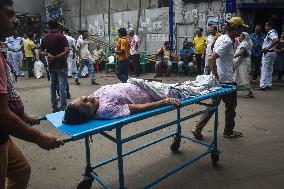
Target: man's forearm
274, 42
62, 55
213, 67
13, 125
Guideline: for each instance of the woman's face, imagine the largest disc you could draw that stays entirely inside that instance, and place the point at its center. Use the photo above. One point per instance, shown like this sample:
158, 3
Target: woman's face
88, 105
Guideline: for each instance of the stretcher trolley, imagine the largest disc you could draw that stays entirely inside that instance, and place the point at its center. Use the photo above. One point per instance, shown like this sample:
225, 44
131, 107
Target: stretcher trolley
86, 130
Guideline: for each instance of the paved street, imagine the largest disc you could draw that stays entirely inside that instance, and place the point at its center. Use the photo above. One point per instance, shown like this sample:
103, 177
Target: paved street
252, 162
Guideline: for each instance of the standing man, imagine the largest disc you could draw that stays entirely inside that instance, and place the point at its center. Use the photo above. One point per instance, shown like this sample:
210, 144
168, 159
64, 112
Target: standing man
85, 58
256, 52
209, 48
14, 167
55, 46
199, 43
221, 64
29, 47
16, 46
268, 57
72, 54
135, 53
123, 51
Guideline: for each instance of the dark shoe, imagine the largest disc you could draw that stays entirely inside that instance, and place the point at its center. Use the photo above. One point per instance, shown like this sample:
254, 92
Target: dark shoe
137, 75
268, 88
69, 76
197, 135
56, 110
234, 134
250, 95
260, 89
77, 82
95, 83
156, 76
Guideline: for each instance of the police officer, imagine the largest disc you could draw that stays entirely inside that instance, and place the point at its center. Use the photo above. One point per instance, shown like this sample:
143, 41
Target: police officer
16, 45
268, 57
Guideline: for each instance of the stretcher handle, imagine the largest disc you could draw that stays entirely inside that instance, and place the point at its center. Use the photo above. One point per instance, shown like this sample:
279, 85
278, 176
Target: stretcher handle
42, 118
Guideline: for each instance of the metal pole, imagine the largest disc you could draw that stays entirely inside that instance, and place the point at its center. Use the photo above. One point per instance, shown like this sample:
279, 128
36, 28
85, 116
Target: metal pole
171, 19
109, 22
80, 15
139, 15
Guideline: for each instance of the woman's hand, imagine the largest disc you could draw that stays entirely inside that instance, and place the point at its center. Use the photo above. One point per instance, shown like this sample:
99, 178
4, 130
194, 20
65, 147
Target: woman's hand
170, 101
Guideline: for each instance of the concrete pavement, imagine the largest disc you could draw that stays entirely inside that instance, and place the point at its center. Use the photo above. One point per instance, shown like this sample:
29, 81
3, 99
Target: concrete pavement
254, 161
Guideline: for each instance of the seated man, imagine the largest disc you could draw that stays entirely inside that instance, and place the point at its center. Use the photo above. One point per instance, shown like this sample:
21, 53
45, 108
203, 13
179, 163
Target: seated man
137, 95
164, 54
186, 56
99, 56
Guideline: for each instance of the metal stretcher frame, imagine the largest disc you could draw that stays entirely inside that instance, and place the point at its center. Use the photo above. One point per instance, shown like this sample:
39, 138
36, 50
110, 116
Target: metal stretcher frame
101, 126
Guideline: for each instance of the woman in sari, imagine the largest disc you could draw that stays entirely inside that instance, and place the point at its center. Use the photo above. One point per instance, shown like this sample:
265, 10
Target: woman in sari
243, 64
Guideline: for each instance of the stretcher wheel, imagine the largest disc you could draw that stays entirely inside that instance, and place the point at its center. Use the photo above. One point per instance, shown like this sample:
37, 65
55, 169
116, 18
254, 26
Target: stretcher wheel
175, 145
86, 183
215, 159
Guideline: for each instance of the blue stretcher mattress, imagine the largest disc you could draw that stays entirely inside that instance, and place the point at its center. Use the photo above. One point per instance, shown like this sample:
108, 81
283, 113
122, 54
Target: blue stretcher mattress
97, 126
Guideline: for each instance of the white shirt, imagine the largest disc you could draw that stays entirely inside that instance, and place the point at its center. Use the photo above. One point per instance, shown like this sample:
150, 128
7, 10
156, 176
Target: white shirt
224, 47
71, 43
15, 43
209, 42
135, 42
84, 48
272, 34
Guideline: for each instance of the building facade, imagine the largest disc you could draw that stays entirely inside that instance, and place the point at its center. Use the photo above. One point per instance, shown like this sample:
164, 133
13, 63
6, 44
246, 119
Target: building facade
31, 13
154, 23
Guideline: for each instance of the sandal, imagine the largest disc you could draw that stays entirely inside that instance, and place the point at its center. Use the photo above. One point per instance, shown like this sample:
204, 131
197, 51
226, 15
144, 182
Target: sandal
197, 135
250, 95
234, 134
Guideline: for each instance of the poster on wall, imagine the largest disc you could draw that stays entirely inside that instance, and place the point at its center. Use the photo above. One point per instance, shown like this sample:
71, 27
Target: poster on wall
212, 21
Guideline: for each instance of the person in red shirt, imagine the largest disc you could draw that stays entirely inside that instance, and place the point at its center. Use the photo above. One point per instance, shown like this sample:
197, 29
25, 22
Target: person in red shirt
14, 168
55, 46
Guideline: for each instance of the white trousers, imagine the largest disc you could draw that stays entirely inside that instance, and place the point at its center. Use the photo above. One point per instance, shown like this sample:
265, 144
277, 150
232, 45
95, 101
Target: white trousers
72, 67
267, 69
17, 59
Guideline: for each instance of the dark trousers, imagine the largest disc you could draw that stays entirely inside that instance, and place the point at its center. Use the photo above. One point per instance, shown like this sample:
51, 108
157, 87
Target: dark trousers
122, 70
230, 101
30, 62
199, 63
134, 65
256, 61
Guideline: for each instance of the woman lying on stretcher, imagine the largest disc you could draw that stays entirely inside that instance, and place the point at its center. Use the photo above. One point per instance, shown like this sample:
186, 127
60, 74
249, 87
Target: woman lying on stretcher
123, 99
113, 101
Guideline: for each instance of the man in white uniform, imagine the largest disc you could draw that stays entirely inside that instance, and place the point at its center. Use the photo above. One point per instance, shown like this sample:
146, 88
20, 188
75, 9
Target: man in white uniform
72, 54
209, 42
268, 57
16, 45
221, 65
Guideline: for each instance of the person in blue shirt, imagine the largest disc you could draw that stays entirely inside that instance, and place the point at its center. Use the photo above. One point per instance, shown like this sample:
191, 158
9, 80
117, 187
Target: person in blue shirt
186, 56
256, 52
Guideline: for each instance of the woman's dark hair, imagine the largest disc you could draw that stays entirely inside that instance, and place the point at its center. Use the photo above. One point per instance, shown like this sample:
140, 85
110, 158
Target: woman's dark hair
5, 3
74, 116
